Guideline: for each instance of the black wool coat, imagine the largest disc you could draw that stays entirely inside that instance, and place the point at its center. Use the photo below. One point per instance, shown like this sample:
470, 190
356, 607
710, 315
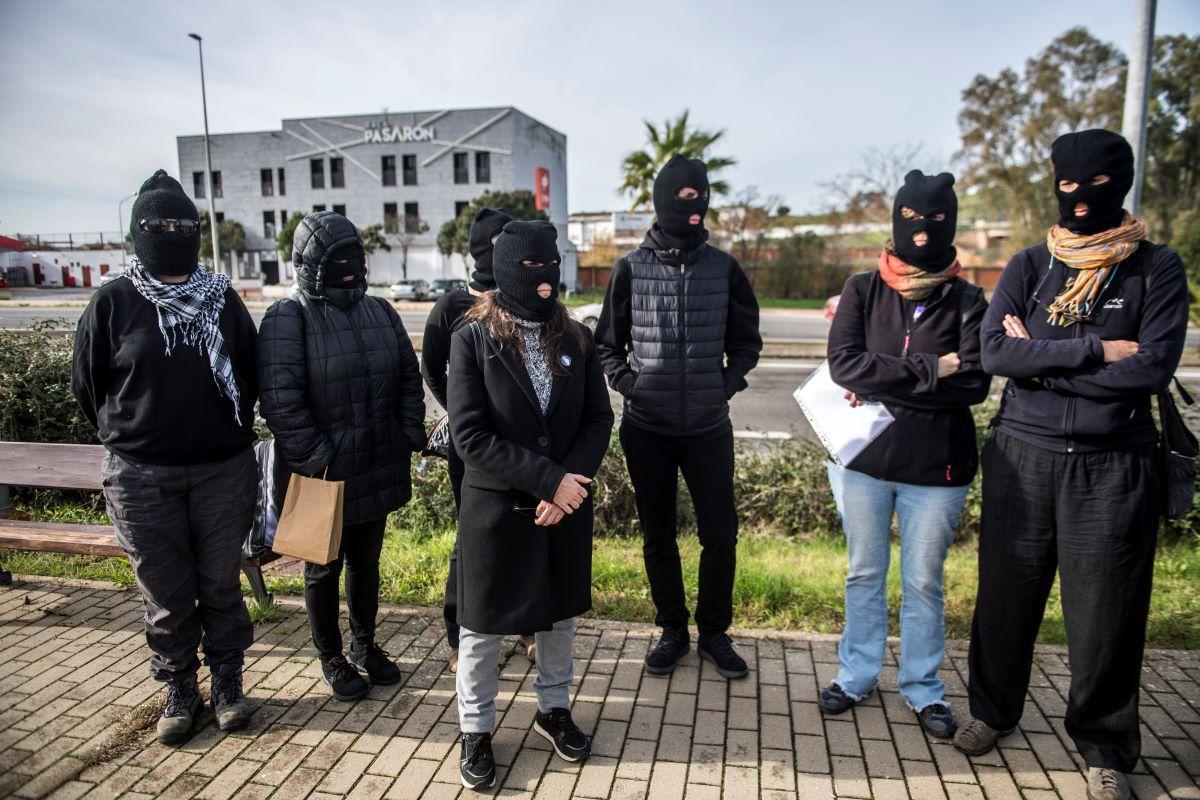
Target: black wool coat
514, 576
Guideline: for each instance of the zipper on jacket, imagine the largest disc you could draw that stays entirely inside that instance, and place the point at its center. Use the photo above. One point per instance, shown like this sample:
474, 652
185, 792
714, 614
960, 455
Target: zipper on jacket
1070, 424
910, 323
683, 360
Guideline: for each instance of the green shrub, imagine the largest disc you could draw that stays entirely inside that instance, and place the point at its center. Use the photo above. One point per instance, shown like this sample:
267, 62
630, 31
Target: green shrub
36, 404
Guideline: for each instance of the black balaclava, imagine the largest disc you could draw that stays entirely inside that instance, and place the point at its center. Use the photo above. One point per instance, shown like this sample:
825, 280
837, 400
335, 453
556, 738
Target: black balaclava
1081, 156
927, 195
355, 268
672, 213
527, 241
488, 222
170, 253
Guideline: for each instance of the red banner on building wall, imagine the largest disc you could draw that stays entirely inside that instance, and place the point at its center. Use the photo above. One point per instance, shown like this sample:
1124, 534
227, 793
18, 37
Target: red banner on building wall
541, 194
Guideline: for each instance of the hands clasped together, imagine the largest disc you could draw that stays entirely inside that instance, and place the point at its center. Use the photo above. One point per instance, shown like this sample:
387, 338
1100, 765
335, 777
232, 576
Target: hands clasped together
569, 497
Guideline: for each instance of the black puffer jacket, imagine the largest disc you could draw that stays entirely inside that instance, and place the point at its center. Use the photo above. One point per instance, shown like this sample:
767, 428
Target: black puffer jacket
340, 385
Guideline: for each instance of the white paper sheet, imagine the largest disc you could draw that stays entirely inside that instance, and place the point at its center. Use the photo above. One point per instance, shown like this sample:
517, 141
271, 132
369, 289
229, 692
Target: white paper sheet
844, 431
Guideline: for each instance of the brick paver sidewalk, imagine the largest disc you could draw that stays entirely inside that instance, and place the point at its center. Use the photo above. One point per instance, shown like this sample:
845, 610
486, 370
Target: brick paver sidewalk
76, 706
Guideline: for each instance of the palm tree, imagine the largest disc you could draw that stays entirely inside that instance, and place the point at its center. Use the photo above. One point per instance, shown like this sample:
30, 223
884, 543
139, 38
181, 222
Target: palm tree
675, 138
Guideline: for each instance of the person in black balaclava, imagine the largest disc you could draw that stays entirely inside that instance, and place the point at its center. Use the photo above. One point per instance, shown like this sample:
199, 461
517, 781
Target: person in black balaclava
529, 292
346, 267
445, 318
933, 210
678, 352
1080, 158
164, 368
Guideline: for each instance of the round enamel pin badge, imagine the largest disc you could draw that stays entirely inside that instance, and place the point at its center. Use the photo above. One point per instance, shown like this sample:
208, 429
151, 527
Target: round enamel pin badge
565, 359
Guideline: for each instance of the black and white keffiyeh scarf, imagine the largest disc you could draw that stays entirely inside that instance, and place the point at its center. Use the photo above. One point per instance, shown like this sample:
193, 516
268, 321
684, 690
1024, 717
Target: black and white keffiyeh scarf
189, 314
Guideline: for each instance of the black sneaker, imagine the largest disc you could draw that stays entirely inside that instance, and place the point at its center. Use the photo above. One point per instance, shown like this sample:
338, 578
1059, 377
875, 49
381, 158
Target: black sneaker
179, 714
377, 663
718, 649
344, 680
673, 645
938, 721
477, 764
229, 704
833, 700
560, 730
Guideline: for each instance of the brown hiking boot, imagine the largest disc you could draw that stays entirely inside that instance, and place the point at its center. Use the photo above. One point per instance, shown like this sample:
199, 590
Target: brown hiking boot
230, 708
1107, 784
180, 711
452, 661
976, 738
529, 645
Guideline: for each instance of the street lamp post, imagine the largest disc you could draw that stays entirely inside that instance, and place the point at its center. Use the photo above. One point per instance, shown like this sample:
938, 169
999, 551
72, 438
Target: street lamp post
121, 223
1137, 95
212, 199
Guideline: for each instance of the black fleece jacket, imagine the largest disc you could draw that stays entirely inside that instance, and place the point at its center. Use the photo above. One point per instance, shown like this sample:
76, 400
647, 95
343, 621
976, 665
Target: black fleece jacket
1060, 394
151, 408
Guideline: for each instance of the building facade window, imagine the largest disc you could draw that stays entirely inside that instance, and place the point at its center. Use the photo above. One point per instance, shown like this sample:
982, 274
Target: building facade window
220, 217
410, 170
317, 208
391, 218
483, 167
387, 168
412, 218
266, 177
316, 166
283, 217
282, 186
337, 173
198, 188
461, 171
217, 183
459, 207
339, 209
269, 224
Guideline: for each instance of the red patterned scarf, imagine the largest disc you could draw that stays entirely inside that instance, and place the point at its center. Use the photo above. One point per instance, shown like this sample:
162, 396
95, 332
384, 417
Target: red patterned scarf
913, 283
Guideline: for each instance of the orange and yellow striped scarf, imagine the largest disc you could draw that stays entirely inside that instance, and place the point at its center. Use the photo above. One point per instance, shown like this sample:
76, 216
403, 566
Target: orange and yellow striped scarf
1094, 257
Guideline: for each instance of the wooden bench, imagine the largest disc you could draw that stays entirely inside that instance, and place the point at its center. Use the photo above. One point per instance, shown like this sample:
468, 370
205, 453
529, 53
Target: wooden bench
74, 466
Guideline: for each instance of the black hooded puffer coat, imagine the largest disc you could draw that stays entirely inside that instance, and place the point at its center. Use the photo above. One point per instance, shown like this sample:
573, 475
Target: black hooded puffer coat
340, 385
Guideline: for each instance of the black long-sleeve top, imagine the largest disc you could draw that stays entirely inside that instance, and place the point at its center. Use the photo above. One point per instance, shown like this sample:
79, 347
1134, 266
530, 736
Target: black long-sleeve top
444, 319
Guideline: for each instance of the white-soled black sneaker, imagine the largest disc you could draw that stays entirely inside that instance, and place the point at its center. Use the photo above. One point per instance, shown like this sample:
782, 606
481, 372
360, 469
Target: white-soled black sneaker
477, 764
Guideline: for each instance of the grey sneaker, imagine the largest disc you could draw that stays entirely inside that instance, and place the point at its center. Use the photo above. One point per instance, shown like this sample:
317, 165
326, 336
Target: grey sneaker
976, 738
229, 704
1107, 784
180, 711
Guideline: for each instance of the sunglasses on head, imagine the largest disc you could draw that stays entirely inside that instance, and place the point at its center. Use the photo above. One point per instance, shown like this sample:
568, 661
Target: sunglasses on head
159, 226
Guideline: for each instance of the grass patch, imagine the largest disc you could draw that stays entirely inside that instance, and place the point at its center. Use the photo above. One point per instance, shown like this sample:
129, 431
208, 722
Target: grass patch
792, 302
781, 582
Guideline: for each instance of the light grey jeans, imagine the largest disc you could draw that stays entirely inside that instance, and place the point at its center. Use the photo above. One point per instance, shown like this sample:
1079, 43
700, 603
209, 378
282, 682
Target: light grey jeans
478, 677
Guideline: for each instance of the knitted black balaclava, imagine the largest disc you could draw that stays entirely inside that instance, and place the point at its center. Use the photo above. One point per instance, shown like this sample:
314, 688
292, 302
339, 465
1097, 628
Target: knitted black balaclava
672, 212
527, 241
352, 272
488, 222
928, 195
169, 253
1081, 156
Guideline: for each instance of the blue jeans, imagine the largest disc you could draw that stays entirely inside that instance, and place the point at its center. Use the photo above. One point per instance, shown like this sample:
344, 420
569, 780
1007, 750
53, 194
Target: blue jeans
928, 517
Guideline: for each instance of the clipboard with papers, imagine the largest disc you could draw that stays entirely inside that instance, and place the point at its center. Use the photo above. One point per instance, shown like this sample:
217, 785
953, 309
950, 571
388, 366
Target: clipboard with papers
844, 431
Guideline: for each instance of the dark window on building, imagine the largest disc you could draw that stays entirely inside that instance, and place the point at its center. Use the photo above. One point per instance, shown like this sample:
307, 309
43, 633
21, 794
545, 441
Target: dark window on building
461, 172
391, 221
410, 170
198, 186
282, 217
459, 207
337, 173
267, 179
412, 217
318, 208
269, 223
220, 217
338, 209
317, 167
483, 167
387, 165
217, 183
282, 186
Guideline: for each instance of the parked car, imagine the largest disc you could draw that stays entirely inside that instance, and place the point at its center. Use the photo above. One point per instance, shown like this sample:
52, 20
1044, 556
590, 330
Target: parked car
589, 314
443, 287
410, 290
831, 306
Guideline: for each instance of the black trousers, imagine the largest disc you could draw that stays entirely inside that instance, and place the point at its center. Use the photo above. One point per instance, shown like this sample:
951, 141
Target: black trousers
361, 546
450, 605
1094, 518
655, 462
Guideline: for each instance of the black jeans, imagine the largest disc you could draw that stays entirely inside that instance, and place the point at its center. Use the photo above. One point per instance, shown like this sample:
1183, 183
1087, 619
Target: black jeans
182, 528
450, 605
1094, 518
361, 545
655, 462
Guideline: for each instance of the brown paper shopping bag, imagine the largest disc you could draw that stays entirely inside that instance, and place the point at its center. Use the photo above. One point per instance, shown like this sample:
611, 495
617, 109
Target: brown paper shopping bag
310, 525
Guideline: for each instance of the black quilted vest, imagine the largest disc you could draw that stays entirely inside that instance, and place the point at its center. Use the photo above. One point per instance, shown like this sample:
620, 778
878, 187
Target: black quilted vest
679, 311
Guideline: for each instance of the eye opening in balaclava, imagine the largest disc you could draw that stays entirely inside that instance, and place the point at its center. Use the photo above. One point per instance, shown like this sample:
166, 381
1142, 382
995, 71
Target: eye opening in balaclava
535, 242
166, 252
673, 212
927, 197
1079, 157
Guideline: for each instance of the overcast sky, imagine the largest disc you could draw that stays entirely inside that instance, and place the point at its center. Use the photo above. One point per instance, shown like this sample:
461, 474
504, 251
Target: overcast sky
92, 95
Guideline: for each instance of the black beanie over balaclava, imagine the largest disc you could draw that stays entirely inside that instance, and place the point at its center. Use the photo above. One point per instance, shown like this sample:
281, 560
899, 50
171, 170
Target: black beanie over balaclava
535, 240
169, 253
349, 274
488, 222
928, 195
672, 212
1081, 156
